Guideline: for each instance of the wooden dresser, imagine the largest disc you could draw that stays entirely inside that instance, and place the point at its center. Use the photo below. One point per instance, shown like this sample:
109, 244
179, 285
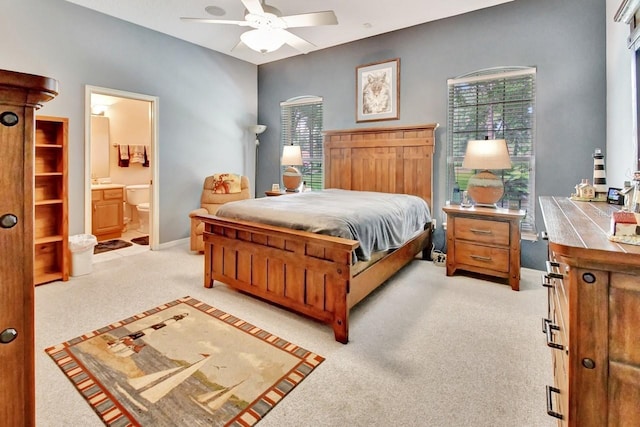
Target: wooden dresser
593, 317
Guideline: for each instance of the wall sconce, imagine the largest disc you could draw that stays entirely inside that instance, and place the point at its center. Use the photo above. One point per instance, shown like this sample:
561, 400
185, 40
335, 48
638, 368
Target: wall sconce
485, 188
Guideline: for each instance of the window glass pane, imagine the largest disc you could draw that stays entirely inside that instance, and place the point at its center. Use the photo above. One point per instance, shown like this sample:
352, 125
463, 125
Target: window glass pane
302, 125
498, 104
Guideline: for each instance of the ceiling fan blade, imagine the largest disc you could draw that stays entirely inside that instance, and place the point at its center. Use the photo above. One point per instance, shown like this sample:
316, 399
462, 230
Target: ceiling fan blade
296, 42
216, 21
253, 6
312, 19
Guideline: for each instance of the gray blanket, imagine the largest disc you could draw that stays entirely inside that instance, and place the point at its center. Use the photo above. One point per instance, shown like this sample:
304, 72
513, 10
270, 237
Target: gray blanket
378, 221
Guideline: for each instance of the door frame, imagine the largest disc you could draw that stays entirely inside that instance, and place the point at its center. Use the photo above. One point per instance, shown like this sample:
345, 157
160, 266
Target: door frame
154, 216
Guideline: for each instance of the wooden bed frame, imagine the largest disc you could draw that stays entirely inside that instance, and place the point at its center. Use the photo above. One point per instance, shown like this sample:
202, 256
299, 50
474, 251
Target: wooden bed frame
312, 274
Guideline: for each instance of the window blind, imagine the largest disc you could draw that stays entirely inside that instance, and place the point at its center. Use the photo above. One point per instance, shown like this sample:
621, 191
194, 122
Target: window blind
498, 103
301, 124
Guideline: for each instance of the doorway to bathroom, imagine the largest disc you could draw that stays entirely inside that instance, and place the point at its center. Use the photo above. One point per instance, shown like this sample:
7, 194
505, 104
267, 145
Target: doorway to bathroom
121, 137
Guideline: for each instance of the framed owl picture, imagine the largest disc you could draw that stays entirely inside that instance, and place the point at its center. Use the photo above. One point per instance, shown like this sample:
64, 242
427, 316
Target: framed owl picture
378, 91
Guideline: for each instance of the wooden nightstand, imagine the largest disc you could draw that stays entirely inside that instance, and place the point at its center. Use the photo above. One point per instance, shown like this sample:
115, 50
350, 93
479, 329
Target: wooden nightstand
484, 240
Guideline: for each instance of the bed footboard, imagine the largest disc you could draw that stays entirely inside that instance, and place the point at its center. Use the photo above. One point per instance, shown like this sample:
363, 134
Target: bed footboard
308, 273
305, 272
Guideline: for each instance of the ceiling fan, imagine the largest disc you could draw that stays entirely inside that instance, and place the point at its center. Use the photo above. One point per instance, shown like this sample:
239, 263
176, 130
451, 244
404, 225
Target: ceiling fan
270, 27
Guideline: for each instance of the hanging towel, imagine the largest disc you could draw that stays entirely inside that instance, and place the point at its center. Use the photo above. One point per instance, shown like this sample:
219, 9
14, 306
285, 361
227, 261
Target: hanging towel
137, 153
146, 158
123, 156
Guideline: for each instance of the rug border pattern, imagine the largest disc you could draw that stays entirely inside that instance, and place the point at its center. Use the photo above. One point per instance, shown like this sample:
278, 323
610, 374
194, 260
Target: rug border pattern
112, 413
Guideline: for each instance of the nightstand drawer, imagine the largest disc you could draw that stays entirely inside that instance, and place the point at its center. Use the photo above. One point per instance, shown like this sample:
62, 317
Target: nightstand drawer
482, 231
482, 256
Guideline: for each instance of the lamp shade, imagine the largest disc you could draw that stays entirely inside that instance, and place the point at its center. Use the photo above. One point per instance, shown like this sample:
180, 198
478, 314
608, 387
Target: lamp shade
263, 40
291, 155
257, 129
485, 188
487, 154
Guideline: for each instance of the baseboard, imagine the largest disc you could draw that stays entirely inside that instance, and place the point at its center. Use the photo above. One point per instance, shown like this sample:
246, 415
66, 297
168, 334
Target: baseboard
172, 243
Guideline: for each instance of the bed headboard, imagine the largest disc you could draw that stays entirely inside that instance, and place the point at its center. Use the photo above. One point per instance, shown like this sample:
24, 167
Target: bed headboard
386, 159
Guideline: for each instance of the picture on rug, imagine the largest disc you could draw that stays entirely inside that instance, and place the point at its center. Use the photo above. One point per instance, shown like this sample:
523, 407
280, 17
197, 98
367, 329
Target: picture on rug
183, 363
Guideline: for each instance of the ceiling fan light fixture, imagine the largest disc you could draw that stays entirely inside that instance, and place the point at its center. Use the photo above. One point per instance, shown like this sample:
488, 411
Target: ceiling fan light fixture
262, 40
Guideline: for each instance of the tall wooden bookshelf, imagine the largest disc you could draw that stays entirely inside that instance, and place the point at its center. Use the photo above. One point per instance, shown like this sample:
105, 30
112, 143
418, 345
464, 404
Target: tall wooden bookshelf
51, 229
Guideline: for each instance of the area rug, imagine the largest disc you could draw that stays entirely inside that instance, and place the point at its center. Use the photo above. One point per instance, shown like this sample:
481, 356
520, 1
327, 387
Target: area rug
144, 240
110, 245
184, 363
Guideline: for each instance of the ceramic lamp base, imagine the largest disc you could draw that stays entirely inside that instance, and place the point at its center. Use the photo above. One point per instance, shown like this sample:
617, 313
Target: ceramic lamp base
291, 178
485, 188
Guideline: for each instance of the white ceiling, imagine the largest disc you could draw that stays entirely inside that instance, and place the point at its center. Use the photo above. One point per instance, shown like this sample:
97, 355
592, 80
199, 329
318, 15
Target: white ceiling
357, 19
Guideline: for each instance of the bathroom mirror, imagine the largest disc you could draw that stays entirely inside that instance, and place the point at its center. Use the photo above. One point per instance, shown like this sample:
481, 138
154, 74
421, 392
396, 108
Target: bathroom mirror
100, 148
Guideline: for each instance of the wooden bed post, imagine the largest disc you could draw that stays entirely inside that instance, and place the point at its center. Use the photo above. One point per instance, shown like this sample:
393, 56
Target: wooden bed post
341, 312
208, 255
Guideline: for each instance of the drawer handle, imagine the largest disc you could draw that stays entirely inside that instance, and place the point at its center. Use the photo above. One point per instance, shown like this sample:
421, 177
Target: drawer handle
546, 281
550, 410
545, 323
552, 274
550, 328
481, 258
475, 230
544, 235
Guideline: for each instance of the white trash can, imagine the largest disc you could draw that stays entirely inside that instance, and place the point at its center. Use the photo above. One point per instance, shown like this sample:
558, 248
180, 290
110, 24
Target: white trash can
81, 248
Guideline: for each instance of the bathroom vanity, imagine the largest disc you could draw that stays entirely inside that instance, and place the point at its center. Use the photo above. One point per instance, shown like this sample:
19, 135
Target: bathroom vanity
107, 219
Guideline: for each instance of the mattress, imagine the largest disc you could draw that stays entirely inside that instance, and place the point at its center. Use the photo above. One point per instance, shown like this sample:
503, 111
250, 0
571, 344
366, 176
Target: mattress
378, 221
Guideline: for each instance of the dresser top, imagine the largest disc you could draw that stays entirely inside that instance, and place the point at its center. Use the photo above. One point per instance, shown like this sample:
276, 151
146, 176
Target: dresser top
581, 229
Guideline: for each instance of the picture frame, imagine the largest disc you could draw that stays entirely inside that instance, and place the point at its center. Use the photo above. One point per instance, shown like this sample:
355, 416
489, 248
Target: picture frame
615, 197
378, 91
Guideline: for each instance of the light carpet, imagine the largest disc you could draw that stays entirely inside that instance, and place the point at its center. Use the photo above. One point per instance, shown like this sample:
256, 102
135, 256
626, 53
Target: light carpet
424, 350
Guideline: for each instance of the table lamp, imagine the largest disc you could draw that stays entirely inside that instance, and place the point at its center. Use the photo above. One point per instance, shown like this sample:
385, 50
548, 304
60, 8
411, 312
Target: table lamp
291, 178
485, 188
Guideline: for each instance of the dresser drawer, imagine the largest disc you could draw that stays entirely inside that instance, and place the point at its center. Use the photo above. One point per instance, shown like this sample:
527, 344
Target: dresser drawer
561, 381
482, 231
489, 257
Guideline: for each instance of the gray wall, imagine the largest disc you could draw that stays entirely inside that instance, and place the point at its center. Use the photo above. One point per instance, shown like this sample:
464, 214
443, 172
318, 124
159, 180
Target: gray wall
565, 40
207, 99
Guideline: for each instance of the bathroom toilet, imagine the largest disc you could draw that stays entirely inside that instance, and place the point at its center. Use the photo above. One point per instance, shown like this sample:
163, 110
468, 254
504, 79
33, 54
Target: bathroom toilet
138, 197
143, 217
